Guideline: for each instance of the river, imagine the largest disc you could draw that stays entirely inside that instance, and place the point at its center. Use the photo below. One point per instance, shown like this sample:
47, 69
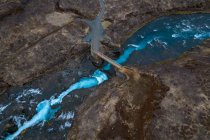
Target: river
47, 109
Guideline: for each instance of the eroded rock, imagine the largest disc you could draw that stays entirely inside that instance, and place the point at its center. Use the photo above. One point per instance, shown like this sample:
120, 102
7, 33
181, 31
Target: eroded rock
10, 7
46, 33
43, 55
185, 109
87, 9
117, 109
173, 105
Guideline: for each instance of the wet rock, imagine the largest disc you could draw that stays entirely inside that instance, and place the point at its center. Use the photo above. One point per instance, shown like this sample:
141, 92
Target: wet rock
10, 128
46, 34
173, 105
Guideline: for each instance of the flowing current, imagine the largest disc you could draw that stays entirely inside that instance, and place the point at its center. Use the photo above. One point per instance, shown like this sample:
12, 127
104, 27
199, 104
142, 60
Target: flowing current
161, 39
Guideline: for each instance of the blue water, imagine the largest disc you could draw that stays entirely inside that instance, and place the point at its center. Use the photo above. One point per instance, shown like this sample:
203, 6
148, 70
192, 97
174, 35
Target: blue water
168, 37
162, 39
165, 38
44, 109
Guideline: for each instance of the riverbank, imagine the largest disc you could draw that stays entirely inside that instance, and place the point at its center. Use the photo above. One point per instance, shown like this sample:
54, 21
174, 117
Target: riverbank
43, 54
43, 37
171, 101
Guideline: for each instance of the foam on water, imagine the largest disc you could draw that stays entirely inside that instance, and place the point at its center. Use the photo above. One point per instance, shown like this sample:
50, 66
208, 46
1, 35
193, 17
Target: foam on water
66, 125
44, 113
188, 31
175, 35
19, 119
131, 48
27, 92
167, 36
44, 109
2, 108
202, 36
66, 116
97, 78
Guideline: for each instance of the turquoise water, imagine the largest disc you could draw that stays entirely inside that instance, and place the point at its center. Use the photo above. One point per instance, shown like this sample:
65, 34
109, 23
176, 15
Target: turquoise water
44, 109
168, 37
162, 39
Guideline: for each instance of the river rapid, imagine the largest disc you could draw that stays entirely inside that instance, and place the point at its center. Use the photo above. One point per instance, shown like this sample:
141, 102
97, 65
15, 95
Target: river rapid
47, 112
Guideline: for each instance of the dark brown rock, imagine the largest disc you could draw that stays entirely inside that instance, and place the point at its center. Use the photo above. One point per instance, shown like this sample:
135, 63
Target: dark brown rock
185, 109
173, 105
87, 9
128, 15
44, 54
10, 7
40, 36
46, 33
117, 109
37, 41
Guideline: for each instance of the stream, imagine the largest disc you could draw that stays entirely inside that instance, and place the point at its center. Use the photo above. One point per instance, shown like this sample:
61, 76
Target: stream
48, 109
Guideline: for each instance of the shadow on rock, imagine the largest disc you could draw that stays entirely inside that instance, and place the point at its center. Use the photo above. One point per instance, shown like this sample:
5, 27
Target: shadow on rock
120, 109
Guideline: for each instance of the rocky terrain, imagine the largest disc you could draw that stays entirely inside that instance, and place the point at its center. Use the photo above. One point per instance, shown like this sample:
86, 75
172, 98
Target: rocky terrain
40, 36
170, 101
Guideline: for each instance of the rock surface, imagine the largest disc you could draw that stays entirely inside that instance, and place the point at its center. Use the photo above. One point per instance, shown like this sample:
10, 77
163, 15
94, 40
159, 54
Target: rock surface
185, 110
39, 36
174, 104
